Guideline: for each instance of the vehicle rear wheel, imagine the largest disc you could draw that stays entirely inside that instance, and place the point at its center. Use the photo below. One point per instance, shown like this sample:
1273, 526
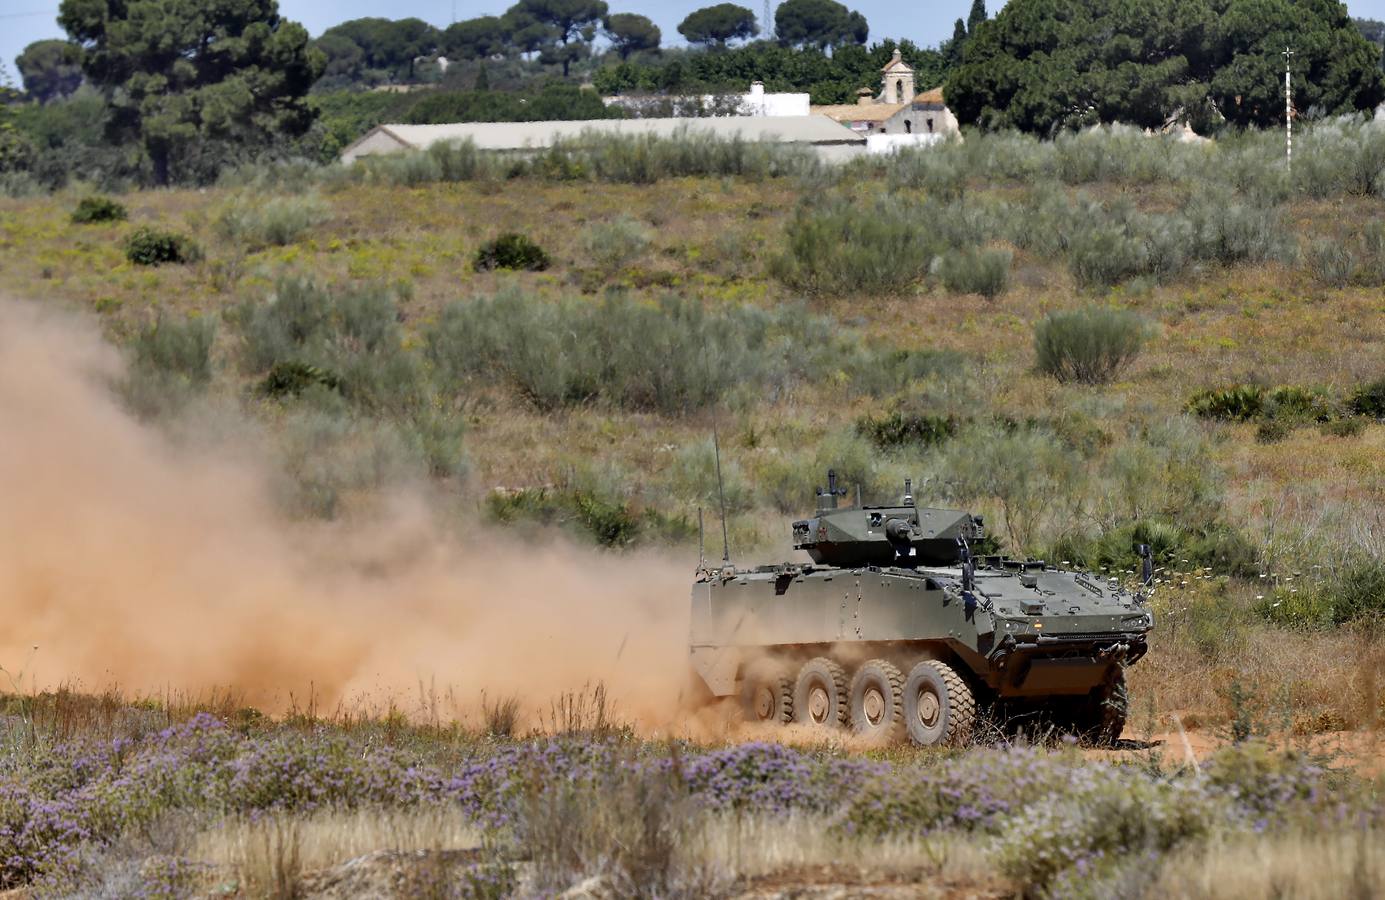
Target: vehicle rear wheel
939, 708
877, 701
767, 693
819, 696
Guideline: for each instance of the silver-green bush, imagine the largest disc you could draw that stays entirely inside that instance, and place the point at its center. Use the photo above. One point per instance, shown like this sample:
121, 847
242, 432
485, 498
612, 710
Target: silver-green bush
1088, 345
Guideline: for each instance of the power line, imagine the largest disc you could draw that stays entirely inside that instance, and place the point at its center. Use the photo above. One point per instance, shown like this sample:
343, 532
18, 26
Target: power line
23, 15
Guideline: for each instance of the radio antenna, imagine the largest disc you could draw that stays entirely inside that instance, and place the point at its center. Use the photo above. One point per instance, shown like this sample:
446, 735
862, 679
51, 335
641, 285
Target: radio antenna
721, 491
716, 452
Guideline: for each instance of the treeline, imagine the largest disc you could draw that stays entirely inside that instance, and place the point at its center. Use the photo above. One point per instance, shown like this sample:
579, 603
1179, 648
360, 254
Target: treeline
1043, 67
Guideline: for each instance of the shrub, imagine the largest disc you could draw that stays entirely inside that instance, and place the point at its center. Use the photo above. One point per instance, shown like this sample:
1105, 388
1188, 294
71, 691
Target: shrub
672, 356
511, 251
290, 377
1237, 403
1332, 263
843, 246
898, 429
170, 361
984, 271
1299, 404
613, 244
279, 221
97, 208
608, 520
1343, 428
148, 246
1354, 591
1272, 431
1088, 345
181, 346
1369, 400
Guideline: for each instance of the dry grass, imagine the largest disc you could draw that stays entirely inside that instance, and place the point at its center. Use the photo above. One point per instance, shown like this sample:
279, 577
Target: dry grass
1314, 866
746, 847
271, 855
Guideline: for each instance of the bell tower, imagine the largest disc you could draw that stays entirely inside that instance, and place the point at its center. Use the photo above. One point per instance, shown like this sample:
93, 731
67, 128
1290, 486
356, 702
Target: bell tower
897, 80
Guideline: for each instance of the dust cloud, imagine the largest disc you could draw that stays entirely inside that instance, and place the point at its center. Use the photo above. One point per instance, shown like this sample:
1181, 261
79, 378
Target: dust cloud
129, 560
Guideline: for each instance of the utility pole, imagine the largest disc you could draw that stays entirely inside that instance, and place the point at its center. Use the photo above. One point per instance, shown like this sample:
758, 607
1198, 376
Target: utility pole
1288, 113
767, 23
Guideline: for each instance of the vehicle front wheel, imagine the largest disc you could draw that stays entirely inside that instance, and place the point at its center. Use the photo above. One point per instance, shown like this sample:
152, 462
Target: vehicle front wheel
939, 708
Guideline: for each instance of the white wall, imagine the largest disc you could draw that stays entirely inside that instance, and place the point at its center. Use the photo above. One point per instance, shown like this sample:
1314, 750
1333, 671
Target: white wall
880, 144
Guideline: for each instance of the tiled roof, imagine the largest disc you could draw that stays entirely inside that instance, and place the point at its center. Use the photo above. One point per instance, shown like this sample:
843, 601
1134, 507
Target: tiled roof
858, 112
933, 96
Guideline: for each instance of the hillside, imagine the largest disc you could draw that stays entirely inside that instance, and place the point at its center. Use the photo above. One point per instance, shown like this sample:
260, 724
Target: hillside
378, 444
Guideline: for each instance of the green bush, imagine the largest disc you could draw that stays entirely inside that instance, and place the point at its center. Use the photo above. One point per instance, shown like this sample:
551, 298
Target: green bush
1220, 548
898, 429
981, 270
1332, 263
290, 377
97, 208
1352, 591
1369, 400
149, 246
510, 251
672, 356
279, 221
171, 360
613, 244
1343, 428
353, 334
1088, 345
1237, 403
1272, 431
609, 521
843, 246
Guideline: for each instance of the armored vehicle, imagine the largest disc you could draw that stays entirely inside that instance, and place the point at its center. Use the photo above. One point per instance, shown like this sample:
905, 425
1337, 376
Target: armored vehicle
896, 630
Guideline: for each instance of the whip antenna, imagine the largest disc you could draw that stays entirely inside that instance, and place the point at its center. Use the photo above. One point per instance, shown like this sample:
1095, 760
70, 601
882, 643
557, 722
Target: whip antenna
721, 491
716, 452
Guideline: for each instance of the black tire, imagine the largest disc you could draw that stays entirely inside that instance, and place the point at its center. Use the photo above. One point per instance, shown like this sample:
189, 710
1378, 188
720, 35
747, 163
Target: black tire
767, 693
1102, 718
876, 702
819, 694
939, 708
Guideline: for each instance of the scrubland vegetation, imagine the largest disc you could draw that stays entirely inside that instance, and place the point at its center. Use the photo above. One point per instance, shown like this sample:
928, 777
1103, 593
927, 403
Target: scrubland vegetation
1099, 341
170, 799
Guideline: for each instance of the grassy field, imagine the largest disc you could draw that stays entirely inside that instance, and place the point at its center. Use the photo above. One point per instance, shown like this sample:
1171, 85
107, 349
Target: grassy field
879, 319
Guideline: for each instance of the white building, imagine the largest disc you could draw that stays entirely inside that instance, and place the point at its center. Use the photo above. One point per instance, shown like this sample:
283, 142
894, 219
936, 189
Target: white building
755, 103
897, 111
831, 141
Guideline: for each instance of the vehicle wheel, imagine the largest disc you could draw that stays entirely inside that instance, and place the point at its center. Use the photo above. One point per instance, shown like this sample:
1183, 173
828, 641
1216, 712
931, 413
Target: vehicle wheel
1102, 718
767, 693
819, 696
938, 705
877, 701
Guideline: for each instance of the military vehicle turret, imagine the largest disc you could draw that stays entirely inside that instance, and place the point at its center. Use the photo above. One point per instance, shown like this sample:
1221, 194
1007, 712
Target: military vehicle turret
895, 630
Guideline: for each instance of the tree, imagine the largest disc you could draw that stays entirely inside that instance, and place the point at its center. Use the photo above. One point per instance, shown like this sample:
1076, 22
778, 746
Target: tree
819, 23
344, 58
391, 45
479, 38
629, 33
953, 48
976, 16
716, 26
184, 77
1042, 66
571, 27
50, 69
